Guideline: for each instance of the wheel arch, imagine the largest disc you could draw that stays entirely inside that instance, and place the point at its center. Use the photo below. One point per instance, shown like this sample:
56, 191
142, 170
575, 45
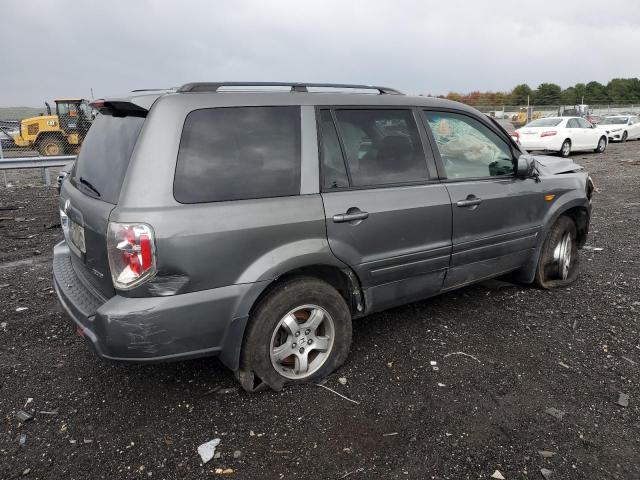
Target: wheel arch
580, 211
342, 279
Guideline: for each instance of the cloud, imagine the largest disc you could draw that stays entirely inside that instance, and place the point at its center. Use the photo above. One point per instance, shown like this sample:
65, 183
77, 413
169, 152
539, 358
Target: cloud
65, 48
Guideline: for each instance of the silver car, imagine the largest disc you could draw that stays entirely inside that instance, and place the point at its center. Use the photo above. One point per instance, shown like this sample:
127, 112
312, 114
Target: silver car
255, 225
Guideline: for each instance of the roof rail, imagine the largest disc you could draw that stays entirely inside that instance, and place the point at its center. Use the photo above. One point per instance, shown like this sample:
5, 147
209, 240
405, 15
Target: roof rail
152, 90
295, 87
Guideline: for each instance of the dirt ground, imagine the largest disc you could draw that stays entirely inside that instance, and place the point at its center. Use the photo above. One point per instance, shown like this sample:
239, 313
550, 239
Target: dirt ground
504, 355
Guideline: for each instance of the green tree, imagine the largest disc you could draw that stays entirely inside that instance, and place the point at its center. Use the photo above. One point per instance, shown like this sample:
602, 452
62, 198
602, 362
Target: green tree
520, 93
623, 90
580, 90
547, 94
568, 97
595, 93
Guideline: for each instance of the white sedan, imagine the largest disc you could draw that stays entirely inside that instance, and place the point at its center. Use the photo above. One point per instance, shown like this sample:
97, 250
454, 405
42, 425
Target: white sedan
620, 128
562, 135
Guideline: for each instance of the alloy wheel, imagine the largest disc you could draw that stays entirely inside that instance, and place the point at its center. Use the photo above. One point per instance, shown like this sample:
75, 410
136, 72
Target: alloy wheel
301, 342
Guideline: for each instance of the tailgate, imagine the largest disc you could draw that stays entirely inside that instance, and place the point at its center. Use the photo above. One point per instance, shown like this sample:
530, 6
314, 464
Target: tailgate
93, 190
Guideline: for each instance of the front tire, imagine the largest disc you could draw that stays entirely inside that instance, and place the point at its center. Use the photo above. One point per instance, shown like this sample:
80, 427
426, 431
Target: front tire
625, 135
565, 149
602, 145
558, 264
299, 332
50, 146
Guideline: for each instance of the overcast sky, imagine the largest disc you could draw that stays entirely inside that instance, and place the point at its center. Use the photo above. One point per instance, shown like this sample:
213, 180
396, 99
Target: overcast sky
64, 48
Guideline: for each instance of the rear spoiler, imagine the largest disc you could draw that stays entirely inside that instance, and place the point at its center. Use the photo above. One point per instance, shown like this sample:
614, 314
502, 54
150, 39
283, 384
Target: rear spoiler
119, 108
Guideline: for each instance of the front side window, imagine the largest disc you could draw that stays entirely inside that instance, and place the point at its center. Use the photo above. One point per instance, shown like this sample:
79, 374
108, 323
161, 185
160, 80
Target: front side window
382, 147
238, 153
468, 148
583, 123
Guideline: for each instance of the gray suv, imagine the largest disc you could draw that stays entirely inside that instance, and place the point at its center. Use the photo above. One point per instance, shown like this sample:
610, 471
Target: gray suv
255, 221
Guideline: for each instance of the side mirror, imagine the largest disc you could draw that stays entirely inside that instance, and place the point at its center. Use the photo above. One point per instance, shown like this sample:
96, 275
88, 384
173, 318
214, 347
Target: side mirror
526, 167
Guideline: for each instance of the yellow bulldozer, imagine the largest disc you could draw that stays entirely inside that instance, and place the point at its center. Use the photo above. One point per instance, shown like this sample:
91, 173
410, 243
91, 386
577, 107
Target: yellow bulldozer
56, 134
520, 119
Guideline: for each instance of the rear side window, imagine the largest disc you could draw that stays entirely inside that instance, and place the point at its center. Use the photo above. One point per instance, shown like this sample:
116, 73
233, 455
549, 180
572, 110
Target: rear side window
334, 173
104, 157
381, 146
238, 153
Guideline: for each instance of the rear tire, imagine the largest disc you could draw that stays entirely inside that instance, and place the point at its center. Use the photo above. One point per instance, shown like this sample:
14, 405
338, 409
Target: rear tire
565, 149
558, 264
50, 146
299, 332
602, 145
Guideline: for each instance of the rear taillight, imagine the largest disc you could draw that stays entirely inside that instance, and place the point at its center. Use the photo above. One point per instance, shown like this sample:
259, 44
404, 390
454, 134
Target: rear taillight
550, 133
132, 256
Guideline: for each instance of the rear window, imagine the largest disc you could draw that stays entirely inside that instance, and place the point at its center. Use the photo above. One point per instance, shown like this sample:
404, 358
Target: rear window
104, 157
238, 153
545, 122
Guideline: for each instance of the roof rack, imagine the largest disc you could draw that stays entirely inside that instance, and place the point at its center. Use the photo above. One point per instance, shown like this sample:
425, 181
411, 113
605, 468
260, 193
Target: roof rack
295, 87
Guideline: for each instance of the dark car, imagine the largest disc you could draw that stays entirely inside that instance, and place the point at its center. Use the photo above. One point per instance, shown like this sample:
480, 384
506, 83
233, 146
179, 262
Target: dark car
256, 225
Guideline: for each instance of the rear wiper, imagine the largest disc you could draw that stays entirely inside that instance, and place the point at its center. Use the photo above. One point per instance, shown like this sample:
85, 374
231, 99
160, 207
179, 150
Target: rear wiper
89, 186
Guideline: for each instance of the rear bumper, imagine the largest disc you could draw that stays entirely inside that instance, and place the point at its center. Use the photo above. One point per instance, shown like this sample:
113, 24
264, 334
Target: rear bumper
149, 329
549, 144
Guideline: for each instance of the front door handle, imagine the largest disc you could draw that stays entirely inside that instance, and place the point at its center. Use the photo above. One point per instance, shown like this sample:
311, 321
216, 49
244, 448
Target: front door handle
350, 216
471, 201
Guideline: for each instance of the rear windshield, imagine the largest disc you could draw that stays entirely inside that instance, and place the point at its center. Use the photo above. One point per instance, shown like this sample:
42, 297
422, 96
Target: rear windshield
104, 156
236, 153
545, 122
614, 121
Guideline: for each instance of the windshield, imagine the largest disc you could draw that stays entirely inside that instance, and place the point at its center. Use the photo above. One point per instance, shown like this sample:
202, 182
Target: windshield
544, 122
614, 121
104, 156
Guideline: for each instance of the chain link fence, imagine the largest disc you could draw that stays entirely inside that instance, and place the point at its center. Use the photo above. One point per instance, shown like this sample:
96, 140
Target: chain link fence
518, 115
56, 129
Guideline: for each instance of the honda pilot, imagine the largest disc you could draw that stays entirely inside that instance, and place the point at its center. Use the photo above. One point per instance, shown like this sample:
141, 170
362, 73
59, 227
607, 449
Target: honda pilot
255, 221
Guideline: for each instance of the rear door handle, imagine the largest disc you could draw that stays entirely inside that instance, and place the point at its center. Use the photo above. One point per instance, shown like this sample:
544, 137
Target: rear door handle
350, 217
471, 201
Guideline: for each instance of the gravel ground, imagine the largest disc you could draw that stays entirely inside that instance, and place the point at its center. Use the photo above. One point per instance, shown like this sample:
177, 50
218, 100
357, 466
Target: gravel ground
523, 351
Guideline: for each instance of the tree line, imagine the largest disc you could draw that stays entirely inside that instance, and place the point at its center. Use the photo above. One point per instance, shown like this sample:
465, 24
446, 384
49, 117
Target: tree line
618, 90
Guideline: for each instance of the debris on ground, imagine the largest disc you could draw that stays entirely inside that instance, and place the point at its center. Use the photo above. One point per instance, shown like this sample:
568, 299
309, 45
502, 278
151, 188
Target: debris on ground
22, 439
623, 400
389, 434
354, 471
342, 380
208, 450
589, 248
562, 364
629, 360
49, 412
237, 454
441, 384
546, 473
26, 472
497, 475
464, 354
3, 326
224, 471
340, 395
546, 453
554, 412
23, 416
21, 309
223, 391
